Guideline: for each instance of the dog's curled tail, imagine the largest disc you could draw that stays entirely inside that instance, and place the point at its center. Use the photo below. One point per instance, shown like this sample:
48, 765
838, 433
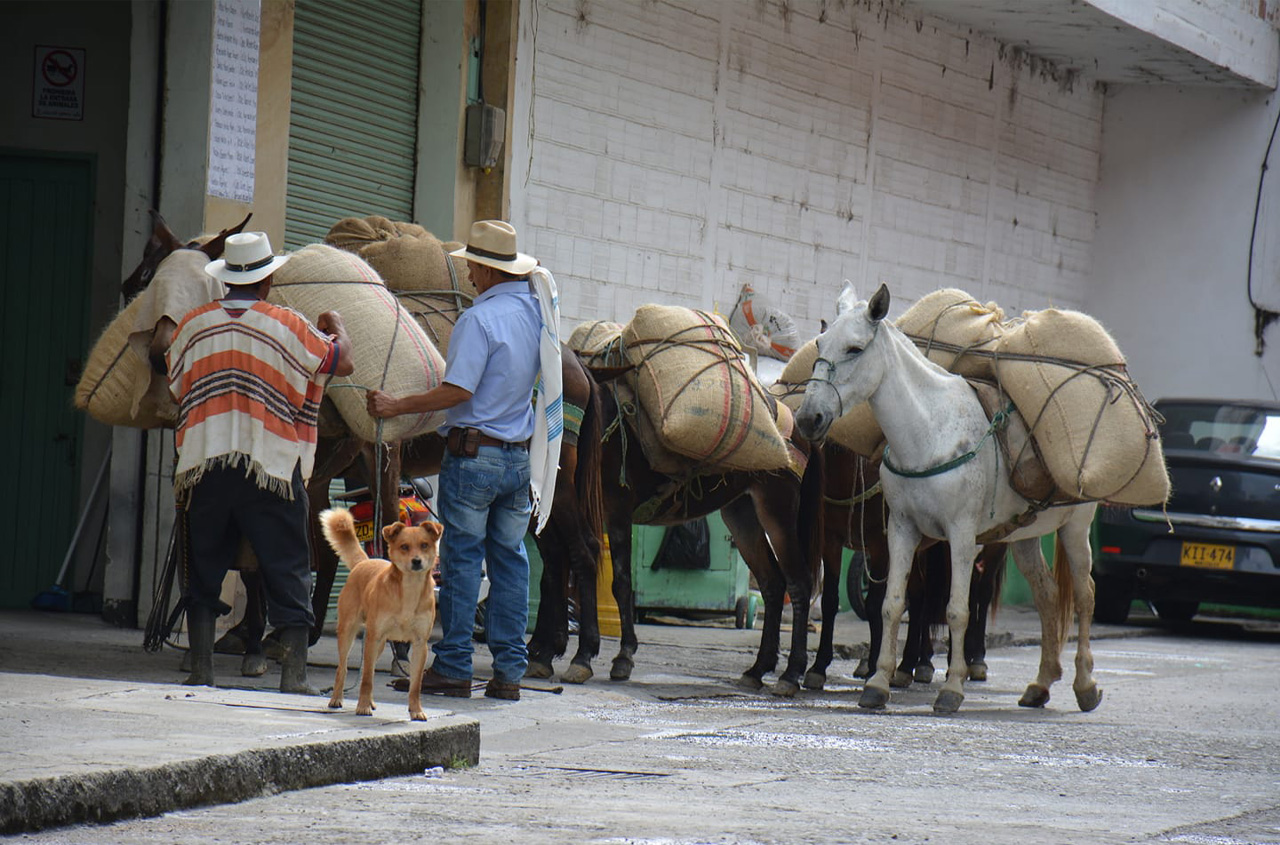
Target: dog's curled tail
340, 530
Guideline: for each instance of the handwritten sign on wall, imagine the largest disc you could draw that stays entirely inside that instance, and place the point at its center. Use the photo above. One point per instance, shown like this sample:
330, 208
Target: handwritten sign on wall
234, 99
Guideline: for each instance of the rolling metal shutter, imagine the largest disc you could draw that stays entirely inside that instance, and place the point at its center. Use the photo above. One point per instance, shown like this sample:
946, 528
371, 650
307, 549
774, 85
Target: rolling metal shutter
353, 122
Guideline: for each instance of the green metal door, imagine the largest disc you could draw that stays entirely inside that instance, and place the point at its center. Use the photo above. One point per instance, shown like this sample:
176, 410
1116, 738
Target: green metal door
45, 235
353, 123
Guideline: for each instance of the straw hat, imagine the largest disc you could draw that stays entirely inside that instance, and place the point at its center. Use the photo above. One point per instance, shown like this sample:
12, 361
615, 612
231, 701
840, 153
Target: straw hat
247, 260
493, 243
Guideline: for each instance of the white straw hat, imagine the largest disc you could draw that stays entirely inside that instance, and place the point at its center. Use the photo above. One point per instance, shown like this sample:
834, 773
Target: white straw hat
493, 243
247, 260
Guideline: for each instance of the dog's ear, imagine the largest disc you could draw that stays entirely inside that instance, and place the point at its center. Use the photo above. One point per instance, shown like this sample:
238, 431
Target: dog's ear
389, 532
435, 529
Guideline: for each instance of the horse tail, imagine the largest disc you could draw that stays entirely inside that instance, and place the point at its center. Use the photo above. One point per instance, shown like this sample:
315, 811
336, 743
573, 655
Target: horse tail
340, 531
811, 511
996, 564
1066, 588
590, 452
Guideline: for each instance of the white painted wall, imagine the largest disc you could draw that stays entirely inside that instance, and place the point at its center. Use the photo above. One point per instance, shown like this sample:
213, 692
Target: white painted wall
671, 150
1180, 173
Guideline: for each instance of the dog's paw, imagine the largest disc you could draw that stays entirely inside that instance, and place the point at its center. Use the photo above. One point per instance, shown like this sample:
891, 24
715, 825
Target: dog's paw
365, 710
417, 716
335, 703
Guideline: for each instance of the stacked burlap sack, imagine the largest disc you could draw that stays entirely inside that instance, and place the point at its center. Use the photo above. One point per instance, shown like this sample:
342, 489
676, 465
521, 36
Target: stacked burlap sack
391, 350
118, 385
1066, 376
598, 343
432, 286
691, 399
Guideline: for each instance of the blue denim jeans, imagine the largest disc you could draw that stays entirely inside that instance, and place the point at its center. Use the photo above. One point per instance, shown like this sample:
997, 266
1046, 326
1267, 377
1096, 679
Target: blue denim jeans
485, 508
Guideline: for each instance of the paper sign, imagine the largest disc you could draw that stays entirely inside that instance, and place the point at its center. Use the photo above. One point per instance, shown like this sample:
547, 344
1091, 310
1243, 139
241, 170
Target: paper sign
57, 89
233, 119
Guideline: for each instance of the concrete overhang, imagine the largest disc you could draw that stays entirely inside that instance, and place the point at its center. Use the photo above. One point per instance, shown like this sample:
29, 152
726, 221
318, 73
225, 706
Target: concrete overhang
1175, 42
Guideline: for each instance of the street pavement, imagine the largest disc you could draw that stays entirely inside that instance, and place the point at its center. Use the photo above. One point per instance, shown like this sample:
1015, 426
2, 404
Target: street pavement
96, 729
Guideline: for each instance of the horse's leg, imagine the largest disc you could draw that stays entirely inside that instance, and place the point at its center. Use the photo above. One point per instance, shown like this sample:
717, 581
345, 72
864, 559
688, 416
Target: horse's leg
876, 559
254, 662
1030, 562
332, 457
618, 522
963, 551
1075, 555
779, 525
832, 557
981, 594
550, 635
748, 534
903, 540
583, 552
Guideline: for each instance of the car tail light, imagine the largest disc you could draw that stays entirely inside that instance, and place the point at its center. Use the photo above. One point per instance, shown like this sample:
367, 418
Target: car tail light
1110, 550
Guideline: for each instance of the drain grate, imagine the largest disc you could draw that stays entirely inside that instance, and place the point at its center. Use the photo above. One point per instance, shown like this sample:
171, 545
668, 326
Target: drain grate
580, 772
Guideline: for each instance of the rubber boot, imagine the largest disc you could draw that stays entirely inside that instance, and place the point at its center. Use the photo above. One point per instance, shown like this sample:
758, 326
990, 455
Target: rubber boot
200, 635
293, 661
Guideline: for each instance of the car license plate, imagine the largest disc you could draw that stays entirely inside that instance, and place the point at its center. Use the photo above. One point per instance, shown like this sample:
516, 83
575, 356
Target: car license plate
1208, 555
364, 531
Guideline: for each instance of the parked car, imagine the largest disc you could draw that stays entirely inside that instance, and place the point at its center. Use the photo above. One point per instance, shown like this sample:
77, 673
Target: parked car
1218, 540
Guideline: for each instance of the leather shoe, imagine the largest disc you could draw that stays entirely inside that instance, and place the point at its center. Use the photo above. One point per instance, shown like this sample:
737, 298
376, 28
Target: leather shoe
436, 684
502, 689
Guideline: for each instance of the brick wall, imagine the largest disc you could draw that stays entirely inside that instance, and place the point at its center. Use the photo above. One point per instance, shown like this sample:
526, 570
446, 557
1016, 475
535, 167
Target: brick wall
671, 150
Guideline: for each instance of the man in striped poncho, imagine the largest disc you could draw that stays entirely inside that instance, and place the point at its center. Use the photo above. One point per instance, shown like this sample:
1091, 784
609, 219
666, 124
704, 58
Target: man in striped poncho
249, 376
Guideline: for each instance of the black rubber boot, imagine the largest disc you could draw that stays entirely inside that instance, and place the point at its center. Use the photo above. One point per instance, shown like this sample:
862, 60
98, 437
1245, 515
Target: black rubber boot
293, 661
200, 636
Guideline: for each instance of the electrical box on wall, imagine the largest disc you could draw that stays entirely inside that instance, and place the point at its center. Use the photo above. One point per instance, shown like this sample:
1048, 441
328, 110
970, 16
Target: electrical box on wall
486, 127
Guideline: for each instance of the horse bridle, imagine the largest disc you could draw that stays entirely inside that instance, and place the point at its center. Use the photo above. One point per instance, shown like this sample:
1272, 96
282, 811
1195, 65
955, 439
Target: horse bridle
831, 368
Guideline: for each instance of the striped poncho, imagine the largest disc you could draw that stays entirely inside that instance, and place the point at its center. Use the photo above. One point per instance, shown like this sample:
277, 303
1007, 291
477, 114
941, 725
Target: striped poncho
248, 376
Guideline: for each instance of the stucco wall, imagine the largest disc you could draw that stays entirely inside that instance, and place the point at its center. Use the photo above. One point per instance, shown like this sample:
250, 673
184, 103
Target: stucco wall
1180, 173
673, 150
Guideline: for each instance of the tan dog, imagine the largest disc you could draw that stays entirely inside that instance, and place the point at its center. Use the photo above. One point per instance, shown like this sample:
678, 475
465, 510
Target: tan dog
391, 599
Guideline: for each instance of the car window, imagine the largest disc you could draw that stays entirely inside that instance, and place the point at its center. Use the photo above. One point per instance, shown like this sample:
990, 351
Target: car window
1222, 429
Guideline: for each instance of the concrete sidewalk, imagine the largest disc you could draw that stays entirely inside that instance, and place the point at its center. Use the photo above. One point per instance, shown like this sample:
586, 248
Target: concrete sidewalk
97, 729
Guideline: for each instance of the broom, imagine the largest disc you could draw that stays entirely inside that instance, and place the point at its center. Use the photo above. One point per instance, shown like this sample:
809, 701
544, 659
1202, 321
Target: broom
58, 597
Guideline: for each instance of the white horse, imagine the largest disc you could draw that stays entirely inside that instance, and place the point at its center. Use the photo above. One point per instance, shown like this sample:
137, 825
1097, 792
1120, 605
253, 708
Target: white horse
942, 479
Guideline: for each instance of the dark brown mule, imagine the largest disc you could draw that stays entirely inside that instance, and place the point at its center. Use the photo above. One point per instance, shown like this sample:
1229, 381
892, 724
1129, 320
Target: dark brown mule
756, 507
854, 519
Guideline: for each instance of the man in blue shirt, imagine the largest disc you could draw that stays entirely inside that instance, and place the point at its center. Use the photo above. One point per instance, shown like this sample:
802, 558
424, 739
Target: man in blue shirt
487, 393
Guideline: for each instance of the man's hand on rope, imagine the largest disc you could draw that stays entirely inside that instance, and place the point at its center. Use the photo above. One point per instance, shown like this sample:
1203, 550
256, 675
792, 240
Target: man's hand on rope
381, 405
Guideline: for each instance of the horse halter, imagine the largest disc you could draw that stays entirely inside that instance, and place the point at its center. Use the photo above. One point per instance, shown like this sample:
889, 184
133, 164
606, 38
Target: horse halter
825, 378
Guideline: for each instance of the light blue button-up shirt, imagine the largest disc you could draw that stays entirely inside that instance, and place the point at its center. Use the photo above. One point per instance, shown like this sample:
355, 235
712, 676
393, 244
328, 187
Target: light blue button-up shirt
493, 353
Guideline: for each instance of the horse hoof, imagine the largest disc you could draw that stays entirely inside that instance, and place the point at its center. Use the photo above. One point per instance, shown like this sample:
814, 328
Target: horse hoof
230, 643
576, 674
978, 671
750, 682
815, 680
948, 701
864, 670
1035, 696
253, 666
621, 669
1089, 699
924, 674
873, 698
537, 669
901, 679
785, 689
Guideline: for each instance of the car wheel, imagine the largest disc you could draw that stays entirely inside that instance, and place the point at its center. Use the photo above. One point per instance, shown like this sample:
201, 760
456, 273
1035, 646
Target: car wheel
1111, 603
1175, 611
855, 584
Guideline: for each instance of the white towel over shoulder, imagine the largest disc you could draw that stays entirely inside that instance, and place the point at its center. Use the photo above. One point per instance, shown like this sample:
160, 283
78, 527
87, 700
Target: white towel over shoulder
548, 411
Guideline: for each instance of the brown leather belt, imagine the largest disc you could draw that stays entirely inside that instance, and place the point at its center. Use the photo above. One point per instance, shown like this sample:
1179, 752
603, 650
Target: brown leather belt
463, 442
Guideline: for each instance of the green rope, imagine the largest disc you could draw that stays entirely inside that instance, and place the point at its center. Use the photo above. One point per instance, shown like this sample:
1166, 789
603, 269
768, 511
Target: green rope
998, 421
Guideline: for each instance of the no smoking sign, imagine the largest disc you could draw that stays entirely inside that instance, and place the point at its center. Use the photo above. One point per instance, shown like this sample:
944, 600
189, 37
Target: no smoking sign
57, 89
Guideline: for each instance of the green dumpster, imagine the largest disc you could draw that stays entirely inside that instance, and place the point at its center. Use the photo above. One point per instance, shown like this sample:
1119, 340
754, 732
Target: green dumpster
721, 589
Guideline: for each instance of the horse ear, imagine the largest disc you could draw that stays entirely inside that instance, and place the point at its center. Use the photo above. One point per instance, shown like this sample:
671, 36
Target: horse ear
822, 326
216, 245
848, 298
878, 308
160, 245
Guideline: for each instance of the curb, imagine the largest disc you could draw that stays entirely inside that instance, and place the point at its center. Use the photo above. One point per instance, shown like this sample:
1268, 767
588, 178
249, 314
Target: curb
108, 796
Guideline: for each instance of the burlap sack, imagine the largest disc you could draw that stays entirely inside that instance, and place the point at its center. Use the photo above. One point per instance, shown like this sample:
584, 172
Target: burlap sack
1094, 429
118, 385
598, 343
640, 425
947, 323
703, 397
390, 349
857, 430
405, 255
